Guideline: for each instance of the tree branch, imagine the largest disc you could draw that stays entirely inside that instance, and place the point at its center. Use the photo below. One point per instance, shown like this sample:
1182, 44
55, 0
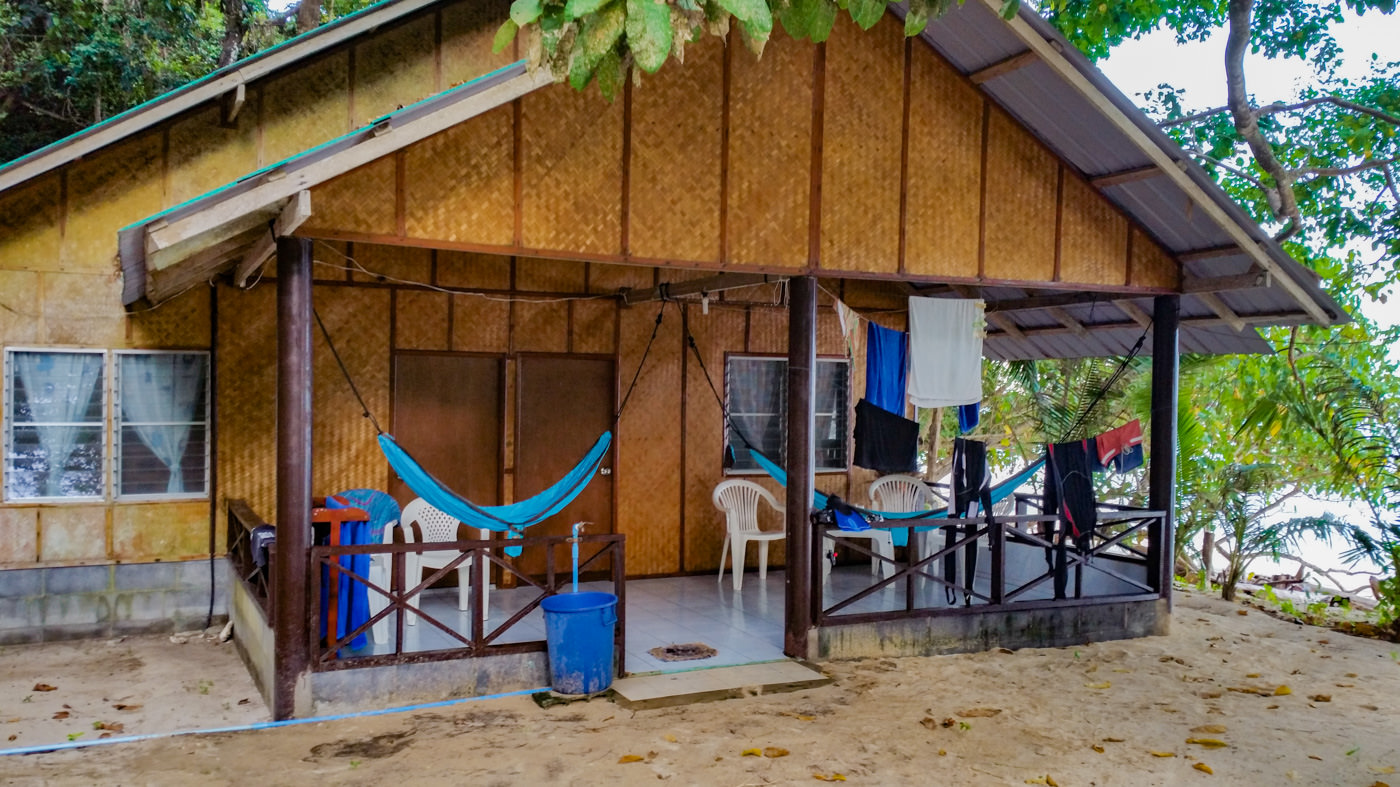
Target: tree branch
1279, 107
1341, 172
1226, 166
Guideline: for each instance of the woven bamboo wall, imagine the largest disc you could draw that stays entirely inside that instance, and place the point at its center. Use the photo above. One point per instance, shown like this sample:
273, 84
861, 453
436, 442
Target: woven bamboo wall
467, 32
459, 186
1093, 236
677, 157
203, 151
945, 170
304, 107
392, 67
863, 120
571, 146
1020, 204
1151, 266
360, 202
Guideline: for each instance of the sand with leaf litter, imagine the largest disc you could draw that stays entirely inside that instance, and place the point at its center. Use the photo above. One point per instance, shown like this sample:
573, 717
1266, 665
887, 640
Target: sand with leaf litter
1224, 699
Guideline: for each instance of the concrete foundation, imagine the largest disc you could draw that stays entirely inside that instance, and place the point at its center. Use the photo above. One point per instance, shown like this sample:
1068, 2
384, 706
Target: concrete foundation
79, 602
1034, 627
252, 634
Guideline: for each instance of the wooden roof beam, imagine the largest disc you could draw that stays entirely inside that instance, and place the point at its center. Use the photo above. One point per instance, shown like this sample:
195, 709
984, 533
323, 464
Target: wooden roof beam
1230, 250
713, 284
294, 214
1006, 325
233, 102
1222, 310
1066, 319
1255, 277
1003, 67
1135, 312
1126, 176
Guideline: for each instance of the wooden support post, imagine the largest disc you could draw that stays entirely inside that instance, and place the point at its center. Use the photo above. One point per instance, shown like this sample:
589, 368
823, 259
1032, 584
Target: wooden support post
292, 640
801, 381
1161, 473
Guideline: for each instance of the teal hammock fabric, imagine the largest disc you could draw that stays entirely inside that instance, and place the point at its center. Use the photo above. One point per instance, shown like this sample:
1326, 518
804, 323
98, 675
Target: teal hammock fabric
512, 518
901, 535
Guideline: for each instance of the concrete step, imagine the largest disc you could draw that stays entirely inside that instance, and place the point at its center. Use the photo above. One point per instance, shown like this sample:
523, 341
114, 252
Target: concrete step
667, 689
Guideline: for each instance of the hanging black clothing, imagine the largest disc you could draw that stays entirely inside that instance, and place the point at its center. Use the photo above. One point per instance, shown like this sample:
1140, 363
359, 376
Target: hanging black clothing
885, 442
1069, 492
972, 487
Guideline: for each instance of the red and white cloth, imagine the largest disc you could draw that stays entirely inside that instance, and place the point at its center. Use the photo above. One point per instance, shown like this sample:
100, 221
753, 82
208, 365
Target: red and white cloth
1118, 441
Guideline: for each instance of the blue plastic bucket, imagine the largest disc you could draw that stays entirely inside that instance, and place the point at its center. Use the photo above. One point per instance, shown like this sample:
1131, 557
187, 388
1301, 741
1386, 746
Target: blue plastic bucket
579, 633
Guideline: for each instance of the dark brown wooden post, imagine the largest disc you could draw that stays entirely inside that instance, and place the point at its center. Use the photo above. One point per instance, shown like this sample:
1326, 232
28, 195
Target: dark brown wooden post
1161, 472
290, 616
801, 380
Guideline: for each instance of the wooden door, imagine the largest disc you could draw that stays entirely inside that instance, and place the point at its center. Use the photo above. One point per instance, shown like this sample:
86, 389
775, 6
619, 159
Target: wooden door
447, 415
565, 403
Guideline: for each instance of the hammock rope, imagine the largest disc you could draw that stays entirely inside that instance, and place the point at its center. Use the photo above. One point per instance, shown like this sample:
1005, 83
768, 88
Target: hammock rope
511, 518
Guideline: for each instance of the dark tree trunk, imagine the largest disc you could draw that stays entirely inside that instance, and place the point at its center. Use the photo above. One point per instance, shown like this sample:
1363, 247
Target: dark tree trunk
308, 15
235, 28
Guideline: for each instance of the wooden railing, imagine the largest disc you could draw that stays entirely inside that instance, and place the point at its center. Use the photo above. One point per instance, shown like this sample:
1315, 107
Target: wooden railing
257, 580
597, 552
1118, 552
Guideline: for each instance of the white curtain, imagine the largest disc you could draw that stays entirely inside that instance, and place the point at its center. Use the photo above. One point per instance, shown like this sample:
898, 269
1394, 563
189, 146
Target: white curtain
59, 388
159, 394
757, 406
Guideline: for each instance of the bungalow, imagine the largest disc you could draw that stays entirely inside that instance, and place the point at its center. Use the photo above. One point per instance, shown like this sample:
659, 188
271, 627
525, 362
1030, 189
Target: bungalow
507, 268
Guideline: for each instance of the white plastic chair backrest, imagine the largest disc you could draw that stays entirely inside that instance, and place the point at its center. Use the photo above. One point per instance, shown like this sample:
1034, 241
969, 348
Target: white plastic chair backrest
738, 499
433, 523
901, 493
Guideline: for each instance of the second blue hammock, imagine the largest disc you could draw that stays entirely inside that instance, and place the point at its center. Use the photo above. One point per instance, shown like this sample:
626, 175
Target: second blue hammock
512, 518
901, 534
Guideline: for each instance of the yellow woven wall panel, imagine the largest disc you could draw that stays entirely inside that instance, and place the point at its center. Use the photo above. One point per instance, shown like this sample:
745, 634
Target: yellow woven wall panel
864, 294
863, 122
394, 68
677, 136
1093, 237
648, 475
541, 327
328, 261
161, 531
114, 188
595, 326
29, 226
572, 159
177, 324
829, 338
19, 536
342, 440
768, 330
73, 533
204, 155
360, 201
536, 275
611, 278
1020, 216
420, 320
945, 170
305, 107
459, 185
467, 32
1151, 266
82, 309
480, 324
770, 152
20, 307
246, 397
476, 271
720, 330
399, 264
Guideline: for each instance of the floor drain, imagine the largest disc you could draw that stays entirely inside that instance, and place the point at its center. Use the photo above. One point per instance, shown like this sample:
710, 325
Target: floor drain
687, 652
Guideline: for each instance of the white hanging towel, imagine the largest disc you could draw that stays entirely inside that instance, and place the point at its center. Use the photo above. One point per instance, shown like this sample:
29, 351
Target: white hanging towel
945, 351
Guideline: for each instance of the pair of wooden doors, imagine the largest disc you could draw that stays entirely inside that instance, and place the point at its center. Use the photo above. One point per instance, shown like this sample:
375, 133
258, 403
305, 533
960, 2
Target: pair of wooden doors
449, 413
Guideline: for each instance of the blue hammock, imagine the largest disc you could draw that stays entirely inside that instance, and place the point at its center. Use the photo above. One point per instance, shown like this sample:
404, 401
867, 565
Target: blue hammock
512, 518
901, 534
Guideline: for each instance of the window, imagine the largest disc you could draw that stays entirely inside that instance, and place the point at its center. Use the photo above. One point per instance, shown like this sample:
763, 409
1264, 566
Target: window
55, 424
162, 424
756, 397
56, 415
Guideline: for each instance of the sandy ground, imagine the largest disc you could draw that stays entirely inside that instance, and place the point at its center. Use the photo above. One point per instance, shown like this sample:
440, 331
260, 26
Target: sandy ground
1268, 702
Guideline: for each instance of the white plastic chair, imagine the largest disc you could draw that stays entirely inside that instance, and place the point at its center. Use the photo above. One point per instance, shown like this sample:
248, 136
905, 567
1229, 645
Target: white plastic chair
738, 499
435, 525
905, 494
379, 575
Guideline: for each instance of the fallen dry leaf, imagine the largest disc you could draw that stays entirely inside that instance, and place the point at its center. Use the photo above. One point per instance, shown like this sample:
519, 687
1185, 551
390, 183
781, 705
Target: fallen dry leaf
1241, 612
798, 716
1113, 740
976, 713
1163, 753
243, 701
1314, 757
1097, 748
1252, 675
752, 753
44, 687
63, 714
669, 738
127, 706
1381, 768
1202, 767
14, 736
1214, 729
1282, 690
1007, 651
1211, 695
109, 725
1320, 697
772, 752
929, 721
1209, 743
942, 752
835, 777
626, 758
1103, 685
1345, 685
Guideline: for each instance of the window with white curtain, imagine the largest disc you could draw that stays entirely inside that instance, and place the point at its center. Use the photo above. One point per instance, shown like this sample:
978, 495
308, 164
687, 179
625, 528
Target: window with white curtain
55, 424
756, 398
162, 424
